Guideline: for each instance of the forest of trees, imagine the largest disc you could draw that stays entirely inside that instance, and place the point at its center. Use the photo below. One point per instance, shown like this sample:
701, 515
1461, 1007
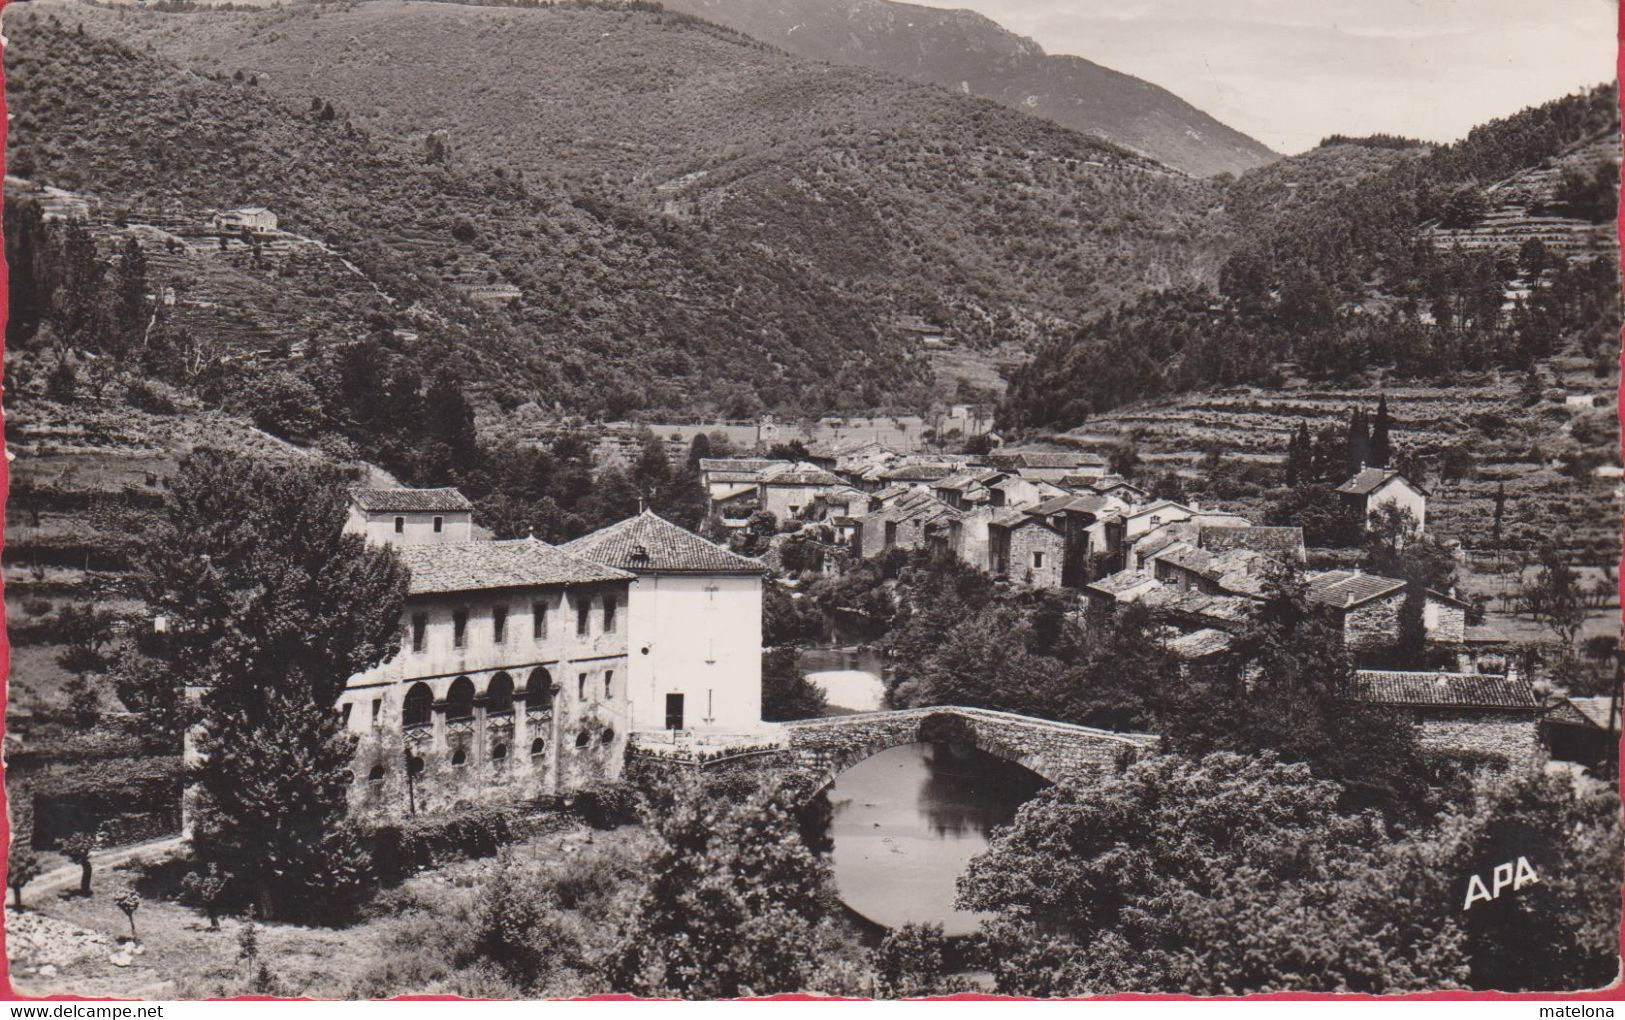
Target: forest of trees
1295, 288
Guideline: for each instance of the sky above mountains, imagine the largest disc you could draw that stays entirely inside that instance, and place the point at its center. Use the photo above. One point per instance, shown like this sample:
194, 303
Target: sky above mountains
1290, 72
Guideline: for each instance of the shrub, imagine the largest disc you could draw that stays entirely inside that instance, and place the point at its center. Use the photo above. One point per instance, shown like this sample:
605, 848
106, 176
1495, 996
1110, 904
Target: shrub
605, 805
144, 396
402, 848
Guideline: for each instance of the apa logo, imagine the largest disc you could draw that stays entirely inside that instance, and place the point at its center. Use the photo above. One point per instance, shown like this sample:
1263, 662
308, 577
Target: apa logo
1517, 876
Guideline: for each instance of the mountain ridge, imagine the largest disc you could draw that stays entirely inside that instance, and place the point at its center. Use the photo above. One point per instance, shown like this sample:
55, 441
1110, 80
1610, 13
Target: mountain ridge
968, 52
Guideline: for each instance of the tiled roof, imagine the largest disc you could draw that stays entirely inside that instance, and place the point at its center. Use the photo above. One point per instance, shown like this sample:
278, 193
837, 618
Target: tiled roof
1070, 504
427, 501
516, 563
797, 474
1045, 459
919, 472
1281, 543
1564, 711
1443, 690
916, 505
1596, 709
1368, 480
1344, 589
1122, 581
732, 476
890, 492
750, 464
1161, 504
1015, 517
1199, 644
648, 543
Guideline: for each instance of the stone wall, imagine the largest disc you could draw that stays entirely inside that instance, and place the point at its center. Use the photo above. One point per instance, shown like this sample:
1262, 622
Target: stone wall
1030, 539
1481, 734
1375, 623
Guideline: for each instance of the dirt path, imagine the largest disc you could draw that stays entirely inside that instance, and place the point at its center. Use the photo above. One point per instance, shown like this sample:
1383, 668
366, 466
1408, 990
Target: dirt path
67, 876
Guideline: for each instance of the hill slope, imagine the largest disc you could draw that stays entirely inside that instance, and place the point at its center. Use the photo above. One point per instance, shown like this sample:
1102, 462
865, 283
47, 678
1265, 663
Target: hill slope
903, 198
967, 52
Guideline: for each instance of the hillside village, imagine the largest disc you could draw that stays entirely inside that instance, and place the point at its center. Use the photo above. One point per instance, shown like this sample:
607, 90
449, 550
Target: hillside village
478, 496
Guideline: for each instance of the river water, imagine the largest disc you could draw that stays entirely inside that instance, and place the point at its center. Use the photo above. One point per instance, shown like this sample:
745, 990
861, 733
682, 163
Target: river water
849, 677
905, 823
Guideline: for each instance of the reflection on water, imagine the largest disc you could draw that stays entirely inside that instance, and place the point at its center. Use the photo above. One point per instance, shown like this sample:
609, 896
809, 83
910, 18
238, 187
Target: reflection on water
849, 677
906, 822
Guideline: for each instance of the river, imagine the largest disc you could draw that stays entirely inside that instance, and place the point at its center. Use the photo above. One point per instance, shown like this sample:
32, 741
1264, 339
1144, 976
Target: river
849, 677
904, 823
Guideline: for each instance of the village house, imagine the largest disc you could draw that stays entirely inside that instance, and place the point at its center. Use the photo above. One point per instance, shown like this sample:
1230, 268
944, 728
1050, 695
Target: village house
1111, 486
249, 219
410, 516
1373, 488
694, 613
849, 457
911, 520
784, 490
1016, 491
725, 478
1583, 730
510, 682
1469, 718
1091, 527
1368, 609
1048, 465
1026, 548
967, 489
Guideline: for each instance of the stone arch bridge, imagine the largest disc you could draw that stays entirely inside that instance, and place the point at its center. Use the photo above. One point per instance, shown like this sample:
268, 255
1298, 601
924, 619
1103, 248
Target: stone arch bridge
821, 749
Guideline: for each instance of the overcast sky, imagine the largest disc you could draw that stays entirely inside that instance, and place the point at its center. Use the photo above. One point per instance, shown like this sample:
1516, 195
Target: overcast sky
1289, 72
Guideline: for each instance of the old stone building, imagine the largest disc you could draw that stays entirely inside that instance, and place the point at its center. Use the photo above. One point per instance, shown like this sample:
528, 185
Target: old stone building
1473, 719
910, 520
1369, 608
511, 681
1026, 549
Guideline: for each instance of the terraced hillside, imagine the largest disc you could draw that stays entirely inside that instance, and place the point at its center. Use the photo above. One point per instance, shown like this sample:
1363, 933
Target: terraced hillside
1529, 206
1475, 436
896, 194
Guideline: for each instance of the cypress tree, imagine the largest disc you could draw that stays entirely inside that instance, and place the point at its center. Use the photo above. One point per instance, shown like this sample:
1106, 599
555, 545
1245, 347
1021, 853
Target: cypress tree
1359, 441
1381, 450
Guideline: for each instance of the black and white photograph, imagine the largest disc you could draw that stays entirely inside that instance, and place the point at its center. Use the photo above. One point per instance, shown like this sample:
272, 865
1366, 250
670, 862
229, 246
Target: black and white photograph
847, 499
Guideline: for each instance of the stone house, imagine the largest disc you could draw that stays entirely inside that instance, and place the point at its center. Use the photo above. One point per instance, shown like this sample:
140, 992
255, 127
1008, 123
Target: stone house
1373, 488
1470, 718
728, 478
252, 219
1583, 730
784, 490
1369, 608
913, 520
511, 681
410, 516
1026, 549
967, 489
1091, 527
1048, 465
694, 611
1016, 491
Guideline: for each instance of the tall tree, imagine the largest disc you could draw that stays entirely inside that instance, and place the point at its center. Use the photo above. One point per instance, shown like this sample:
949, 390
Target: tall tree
1381, 449
732, 904
271, 608
1358, 451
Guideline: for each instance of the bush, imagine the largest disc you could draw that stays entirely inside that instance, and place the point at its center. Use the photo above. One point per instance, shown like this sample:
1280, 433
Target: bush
605, 805
401, 848
144, 396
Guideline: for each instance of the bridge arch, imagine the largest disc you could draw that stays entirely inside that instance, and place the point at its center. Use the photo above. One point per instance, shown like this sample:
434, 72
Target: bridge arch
822, 749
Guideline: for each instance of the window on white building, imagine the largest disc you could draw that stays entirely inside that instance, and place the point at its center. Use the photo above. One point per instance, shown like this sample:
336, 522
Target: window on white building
400, 525
439, 525
583, 618
609, 680
581, 686
538, 621
609, 614
420, 627
1038, 561
499, 624
459, 628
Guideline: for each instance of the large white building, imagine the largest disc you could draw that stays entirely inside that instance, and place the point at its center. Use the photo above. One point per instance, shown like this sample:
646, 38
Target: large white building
526, 669
695, 617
